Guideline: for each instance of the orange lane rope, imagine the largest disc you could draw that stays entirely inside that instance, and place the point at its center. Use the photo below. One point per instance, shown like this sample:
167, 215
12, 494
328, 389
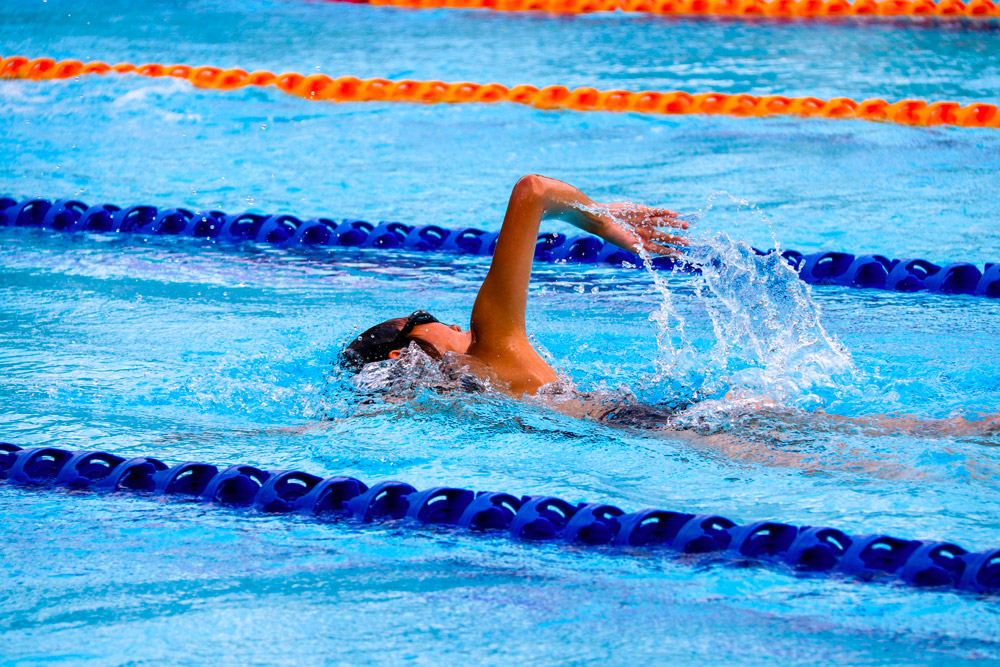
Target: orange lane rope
351, 89
776, 8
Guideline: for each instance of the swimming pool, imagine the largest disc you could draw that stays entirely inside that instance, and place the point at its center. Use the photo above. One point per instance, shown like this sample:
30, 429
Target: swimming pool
173, 348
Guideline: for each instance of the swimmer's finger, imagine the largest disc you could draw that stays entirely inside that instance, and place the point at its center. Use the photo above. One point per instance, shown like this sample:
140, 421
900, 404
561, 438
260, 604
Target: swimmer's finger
667, 239
671, 221
661, 250
662, 213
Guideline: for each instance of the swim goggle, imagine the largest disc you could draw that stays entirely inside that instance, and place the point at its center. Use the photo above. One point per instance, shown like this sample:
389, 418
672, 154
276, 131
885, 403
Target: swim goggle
418, 318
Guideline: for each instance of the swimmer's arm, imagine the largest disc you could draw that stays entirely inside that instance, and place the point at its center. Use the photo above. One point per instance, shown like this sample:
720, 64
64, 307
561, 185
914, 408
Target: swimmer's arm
213, 435
499, 310
985, 425
625, 224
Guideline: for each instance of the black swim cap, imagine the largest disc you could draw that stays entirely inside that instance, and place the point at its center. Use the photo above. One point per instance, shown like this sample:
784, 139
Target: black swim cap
376, 343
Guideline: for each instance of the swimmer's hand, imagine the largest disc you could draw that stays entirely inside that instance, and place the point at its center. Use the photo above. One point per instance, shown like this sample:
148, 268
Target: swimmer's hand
630, 226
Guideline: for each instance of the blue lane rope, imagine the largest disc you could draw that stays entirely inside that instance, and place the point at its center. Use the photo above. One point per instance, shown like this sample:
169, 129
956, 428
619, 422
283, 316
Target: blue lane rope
824, 268
811, 549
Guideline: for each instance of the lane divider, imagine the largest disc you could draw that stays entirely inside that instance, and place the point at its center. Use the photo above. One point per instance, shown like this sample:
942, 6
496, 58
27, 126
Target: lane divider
806, 549
288, 231
352, 89
976, 9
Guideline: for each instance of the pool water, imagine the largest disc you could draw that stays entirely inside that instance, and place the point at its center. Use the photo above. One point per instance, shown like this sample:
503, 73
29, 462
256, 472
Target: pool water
188, 351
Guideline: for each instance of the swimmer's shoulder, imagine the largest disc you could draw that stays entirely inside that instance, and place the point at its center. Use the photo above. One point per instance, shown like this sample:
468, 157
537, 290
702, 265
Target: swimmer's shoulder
516, 364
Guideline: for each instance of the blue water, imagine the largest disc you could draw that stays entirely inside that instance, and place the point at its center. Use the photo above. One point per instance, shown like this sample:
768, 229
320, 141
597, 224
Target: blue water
188, 351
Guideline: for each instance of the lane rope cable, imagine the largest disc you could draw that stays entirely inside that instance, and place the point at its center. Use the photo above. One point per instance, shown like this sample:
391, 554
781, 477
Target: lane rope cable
975, 9
805, 549
288, 231
353, 89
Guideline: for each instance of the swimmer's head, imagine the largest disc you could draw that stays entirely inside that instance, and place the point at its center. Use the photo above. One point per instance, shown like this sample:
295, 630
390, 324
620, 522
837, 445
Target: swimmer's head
388, 340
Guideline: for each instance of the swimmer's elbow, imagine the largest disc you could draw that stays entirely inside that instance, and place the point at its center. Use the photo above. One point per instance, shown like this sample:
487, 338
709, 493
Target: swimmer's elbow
530, 189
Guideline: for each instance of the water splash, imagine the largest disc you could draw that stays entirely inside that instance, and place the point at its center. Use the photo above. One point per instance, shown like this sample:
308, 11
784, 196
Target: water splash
414, 372
766, 343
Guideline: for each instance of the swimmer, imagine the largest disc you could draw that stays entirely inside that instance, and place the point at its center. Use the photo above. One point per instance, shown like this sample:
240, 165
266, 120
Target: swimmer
496, 346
